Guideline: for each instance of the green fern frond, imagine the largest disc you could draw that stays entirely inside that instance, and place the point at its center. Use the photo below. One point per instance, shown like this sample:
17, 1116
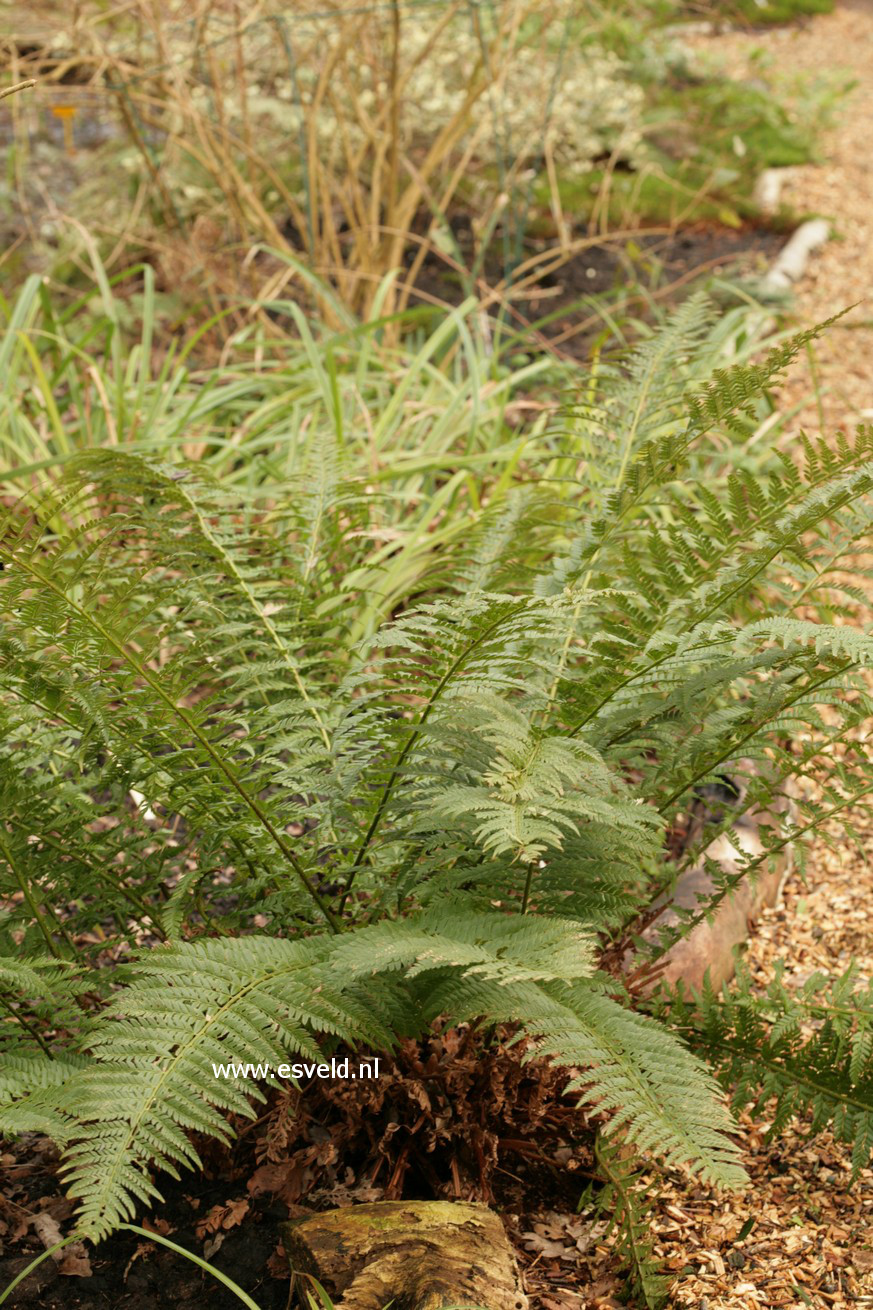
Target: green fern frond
151, 1081
35, 993
29, 1093
622, 1201
533, 791
650, 1084
810, 1048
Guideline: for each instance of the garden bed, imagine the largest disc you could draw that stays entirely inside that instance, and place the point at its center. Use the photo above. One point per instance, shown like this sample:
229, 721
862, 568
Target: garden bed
422, 667
618, 274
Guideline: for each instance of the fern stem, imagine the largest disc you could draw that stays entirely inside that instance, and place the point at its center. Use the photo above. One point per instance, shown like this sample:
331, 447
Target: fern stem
799, 597
816, 383
28, 1027
735, 879
243, 856
713, 562
818, 1009
61, 928
257, 810
31, 901
271, 628
747, 578
620, 476
629, 1218
747, 736
626, 682
703, 618
633, 430
136, 901
527, 885
819, 1089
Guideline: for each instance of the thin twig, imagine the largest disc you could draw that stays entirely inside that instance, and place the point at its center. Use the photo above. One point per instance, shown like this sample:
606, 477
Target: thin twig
19, 86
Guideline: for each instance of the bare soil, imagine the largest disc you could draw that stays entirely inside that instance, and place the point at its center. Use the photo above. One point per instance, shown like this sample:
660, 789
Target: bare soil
559, 305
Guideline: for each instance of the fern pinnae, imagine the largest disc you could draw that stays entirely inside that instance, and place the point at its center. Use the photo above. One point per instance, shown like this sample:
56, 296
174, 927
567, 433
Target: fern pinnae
152, 1076
651, 371
809, 1047
415, 732
36, 909
626, 1209
117, 884
232, 569
124, 652
736, 746
748, 868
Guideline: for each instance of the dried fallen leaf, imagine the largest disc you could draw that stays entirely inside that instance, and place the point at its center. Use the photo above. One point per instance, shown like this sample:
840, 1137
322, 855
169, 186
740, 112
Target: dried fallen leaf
548, 1247
223, 1216
270, 1178
157, 1225
73, 1260
211, 1245
75, 1265
47, 1230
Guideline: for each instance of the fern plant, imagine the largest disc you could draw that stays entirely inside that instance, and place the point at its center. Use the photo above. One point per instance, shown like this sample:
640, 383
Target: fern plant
809, 1049
622, 1200
318, 833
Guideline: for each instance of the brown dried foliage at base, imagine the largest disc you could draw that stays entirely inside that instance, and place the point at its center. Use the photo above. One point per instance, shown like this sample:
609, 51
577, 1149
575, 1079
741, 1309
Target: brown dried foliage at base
444, 1117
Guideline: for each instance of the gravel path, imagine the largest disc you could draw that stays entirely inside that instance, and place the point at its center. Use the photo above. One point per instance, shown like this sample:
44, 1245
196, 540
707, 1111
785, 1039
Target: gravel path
841, 189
